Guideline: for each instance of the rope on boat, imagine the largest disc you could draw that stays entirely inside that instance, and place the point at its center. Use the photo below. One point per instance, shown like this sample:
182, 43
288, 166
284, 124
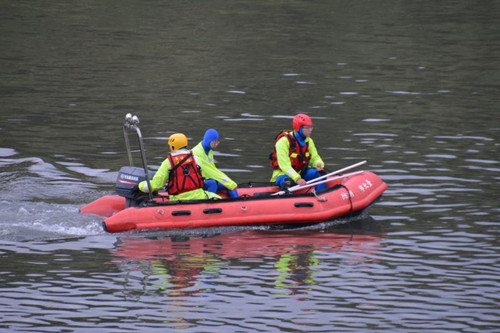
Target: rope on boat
350, 199
322, 199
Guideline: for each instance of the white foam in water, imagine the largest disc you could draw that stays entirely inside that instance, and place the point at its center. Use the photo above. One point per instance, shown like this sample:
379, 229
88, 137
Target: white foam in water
5, 152
244, 119
39, 220
375, 120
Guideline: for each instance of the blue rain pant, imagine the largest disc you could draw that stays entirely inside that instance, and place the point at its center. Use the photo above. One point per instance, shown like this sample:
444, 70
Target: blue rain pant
214, 186
311, 173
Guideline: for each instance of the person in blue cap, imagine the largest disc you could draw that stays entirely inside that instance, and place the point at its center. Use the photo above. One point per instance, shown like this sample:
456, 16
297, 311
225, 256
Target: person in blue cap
180, 172
215, 180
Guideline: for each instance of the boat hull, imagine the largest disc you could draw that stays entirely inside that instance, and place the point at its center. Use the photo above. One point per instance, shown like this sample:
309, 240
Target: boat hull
344, 196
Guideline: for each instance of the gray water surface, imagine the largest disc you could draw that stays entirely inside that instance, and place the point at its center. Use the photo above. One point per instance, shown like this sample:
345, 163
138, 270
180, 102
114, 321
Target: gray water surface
412, 87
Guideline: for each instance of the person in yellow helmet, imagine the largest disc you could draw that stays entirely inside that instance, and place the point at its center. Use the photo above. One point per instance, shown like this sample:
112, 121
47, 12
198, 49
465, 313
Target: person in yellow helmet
215, 180
181, 172
295, 158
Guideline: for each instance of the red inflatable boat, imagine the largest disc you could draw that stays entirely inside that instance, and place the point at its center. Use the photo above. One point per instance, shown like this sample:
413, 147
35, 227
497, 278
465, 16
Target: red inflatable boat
345, 195
258, 204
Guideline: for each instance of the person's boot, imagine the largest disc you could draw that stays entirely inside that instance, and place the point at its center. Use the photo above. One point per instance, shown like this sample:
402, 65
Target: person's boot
286, 185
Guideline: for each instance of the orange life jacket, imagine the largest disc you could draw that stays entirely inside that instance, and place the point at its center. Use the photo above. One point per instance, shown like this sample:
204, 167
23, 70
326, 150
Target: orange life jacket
299, 155
184, 174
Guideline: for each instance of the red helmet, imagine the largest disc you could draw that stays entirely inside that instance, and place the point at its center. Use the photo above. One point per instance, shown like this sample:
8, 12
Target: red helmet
301, 120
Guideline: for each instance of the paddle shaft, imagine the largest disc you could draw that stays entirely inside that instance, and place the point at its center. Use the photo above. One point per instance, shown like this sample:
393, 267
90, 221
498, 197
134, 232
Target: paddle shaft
316, 180
320, 182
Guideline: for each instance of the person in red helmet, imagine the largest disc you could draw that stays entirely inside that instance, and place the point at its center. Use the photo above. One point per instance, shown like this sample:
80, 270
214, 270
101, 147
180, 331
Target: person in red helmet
295, 158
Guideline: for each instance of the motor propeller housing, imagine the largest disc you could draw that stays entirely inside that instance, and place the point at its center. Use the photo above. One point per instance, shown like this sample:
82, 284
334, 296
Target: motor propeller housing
127, 180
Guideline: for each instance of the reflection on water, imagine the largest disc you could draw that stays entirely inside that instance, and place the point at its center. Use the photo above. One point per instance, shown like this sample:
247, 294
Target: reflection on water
230, 280
412, 87
174, 265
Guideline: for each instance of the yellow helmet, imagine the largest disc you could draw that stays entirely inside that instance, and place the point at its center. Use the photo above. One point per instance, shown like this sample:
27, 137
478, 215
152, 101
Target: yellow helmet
176, 141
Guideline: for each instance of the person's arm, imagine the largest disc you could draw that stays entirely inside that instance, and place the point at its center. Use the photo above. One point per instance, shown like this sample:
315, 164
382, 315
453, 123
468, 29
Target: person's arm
282, 153
315, 161
209, 170
159, 179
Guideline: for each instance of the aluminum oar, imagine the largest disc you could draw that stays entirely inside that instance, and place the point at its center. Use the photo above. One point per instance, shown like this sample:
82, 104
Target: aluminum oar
316, 181
324, 181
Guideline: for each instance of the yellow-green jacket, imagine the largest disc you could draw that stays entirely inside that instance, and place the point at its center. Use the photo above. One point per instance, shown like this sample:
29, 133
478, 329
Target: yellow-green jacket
161, 177
208, 168
283, 156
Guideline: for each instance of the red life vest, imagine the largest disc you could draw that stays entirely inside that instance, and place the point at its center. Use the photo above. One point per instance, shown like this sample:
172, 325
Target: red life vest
299, 155
184, 174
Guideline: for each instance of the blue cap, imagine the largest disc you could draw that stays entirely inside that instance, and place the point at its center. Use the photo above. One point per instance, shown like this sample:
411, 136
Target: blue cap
210, 135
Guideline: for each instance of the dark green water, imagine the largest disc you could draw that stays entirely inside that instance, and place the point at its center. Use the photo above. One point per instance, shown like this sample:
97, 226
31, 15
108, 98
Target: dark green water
412, 87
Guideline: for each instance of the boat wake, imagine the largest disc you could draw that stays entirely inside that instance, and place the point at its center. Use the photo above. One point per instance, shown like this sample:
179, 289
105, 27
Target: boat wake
28, 221
41, 200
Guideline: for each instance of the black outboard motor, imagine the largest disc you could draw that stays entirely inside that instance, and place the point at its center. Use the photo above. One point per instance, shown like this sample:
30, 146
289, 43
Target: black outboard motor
126, 185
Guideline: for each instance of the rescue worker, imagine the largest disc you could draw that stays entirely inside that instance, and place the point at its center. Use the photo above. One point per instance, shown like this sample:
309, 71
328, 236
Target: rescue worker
180, 171
215, 180
295, 158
